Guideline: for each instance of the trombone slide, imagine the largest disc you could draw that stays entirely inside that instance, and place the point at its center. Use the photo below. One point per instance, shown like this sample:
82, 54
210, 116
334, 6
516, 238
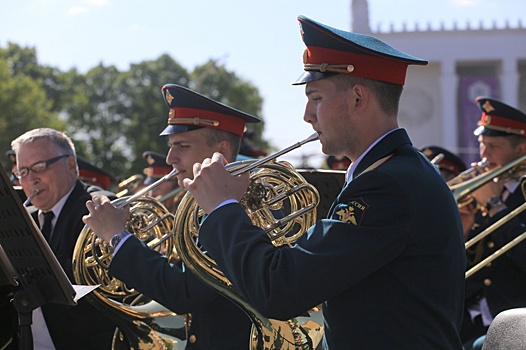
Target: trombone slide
495, 255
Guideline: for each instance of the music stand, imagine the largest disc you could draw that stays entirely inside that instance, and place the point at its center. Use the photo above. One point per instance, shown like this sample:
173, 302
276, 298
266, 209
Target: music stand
329, 184
27, 262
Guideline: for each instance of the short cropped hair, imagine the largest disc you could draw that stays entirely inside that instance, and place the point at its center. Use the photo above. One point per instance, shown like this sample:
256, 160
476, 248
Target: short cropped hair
215, 136
387, 94
516, 140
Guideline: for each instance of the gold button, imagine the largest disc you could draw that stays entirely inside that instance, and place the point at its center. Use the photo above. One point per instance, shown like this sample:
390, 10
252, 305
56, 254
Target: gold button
491, 244
487, 282
192, 339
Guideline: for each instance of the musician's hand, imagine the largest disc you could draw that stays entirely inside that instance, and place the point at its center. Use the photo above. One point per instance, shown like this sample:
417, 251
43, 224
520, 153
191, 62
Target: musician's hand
104, 218
490, 189
467, 215
213, 184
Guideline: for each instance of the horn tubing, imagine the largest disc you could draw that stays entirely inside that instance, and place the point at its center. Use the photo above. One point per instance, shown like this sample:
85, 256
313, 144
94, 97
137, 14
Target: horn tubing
495, 255
273, 156
148, 188
170, 194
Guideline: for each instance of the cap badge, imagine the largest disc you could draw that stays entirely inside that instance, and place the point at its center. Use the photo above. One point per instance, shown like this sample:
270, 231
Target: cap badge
487, 107
150, 160
169, 97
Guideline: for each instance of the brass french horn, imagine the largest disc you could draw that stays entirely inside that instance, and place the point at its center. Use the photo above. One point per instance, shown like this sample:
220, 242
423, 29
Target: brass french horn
143, 323
274, 187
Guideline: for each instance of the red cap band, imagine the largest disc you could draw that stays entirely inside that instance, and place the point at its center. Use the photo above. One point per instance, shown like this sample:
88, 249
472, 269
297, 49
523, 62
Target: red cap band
370, 67
501, 123
209, 119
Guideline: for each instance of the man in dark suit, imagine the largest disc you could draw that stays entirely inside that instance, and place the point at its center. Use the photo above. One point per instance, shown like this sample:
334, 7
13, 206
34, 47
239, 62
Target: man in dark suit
197, 127
389, 260
46, 164
500, 285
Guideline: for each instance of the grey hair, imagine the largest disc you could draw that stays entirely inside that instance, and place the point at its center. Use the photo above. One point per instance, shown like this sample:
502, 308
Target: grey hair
58, 138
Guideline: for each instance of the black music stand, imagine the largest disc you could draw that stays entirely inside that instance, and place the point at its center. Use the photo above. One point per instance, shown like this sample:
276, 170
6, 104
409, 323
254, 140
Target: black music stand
27, 262
329, 184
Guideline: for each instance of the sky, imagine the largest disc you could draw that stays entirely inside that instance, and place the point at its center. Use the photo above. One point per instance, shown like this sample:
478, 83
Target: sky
258, 40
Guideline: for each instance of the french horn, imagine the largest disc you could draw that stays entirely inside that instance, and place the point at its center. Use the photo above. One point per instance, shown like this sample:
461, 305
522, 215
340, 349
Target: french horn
275, 187
142, 323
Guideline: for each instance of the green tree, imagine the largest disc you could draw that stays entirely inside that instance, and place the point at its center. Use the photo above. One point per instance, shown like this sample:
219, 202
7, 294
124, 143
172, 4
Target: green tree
145, 110
215, 81
112, 116
23, 106
96, 119
23, 61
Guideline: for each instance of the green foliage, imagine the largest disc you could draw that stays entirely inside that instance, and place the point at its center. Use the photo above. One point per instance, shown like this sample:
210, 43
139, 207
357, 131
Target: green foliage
23, 106
213, 80
145, 109
113, 116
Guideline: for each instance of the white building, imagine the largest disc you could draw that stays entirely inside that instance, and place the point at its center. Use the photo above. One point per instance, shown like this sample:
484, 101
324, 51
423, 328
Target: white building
438, 104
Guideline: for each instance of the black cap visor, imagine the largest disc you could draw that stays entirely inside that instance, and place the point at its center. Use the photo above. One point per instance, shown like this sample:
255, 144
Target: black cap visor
175, 129
312, 75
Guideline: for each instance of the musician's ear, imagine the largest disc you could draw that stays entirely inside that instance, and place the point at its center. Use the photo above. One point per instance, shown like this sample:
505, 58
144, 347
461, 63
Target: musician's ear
224, 148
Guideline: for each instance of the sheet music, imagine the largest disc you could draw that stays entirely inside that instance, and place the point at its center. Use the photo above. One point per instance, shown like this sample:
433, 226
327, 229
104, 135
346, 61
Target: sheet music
81, 291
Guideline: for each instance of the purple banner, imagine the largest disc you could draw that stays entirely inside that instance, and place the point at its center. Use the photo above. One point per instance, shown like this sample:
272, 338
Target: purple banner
470, 87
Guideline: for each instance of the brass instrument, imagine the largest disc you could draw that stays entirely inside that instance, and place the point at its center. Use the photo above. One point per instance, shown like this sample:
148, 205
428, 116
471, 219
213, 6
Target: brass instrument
437, 159
274, 186
461, 190
467, 174
500, 251
462, 178
31, 196
143, 323
172, 199
128, 186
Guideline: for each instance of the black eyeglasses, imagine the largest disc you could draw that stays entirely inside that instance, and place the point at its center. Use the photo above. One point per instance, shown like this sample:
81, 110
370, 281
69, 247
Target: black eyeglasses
37, 167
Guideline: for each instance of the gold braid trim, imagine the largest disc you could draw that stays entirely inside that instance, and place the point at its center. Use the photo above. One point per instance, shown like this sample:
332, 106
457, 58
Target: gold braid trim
325, 67
503, 129
195, 121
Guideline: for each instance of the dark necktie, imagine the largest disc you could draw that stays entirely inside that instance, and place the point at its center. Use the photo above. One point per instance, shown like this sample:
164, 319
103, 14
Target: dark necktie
46, 227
